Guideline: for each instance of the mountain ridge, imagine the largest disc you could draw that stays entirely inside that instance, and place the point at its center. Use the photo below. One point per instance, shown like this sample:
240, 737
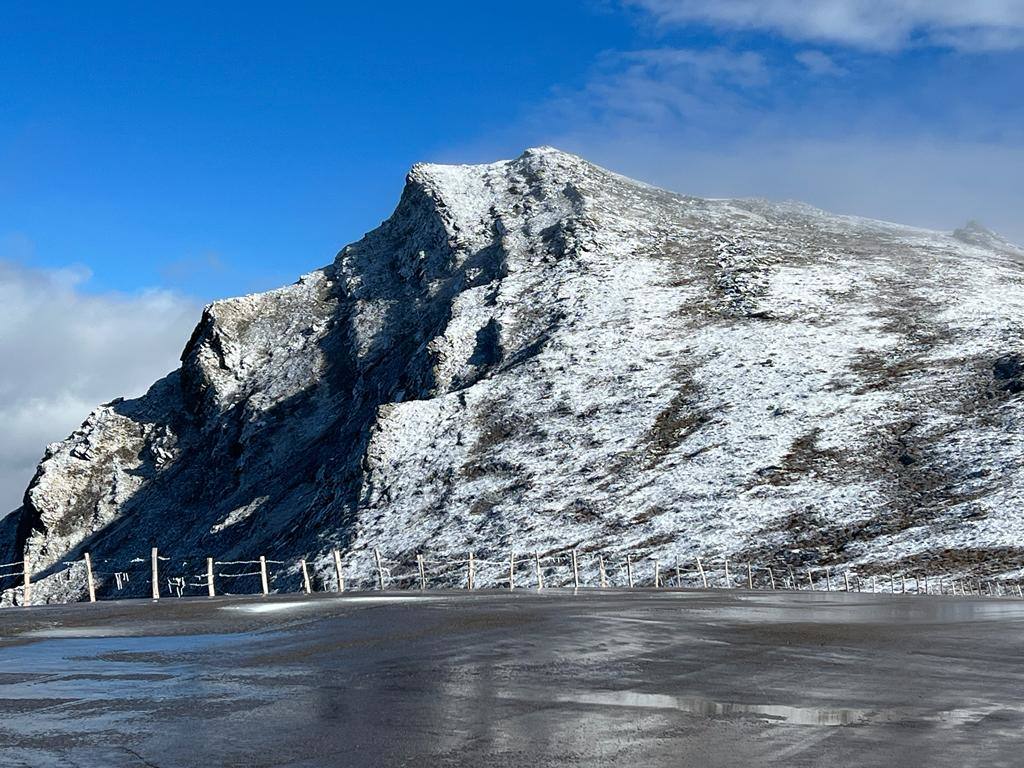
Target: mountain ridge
539, 353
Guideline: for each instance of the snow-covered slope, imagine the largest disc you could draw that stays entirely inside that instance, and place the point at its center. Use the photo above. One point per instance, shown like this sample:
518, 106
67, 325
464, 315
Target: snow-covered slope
538, 353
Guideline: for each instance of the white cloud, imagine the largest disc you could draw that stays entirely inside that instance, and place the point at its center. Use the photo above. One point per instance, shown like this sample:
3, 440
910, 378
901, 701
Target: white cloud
819, 63
871, 24
63, 351
716, 124
651, 87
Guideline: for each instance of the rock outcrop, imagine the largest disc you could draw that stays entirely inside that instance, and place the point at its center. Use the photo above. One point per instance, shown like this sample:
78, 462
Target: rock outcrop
538, 354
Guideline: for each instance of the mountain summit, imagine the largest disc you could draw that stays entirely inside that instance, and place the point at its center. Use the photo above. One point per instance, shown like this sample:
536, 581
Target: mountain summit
538, 354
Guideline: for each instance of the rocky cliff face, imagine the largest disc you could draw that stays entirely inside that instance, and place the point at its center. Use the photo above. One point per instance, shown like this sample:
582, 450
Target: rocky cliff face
537, 354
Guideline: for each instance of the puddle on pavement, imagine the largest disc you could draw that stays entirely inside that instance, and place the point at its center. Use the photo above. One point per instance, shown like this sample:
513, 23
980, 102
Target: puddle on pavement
772, 713
696, 705
858, 608
281, 607
88, 666
59, 632
91, 685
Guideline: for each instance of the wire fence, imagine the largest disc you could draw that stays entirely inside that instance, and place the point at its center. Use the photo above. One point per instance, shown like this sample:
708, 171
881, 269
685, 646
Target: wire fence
12, 575
160, 576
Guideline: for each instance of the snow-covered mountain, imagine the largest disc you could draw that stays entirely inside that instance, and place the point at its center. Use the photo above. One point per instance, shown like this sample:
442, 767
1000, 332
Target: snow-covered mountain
538, 354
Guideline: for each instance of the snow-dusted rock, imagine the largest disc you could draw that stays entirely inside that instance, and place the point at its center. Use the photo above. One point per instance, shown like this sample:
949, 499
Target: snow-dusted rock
538, 353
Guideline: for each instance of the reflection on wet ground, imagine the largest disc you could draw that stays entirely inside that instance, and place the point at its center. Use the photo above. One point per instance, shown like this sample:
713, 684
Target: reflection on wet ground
702, 707
595, 678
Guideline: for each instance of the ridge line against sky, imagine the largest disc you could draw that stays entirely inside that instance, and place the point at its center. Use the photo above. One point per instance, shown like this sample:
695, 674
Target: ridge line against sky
153, 159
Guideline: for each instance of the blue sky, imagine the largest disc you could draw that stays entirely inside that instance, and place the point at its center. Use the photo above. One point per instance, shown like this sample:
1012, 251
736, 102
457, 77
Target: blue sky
154, 157
227, 147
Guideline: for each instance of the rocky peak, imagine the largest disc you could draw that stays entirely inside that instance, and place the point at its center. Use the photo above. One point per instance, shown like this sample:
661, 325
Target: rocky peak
538, 353
976, 234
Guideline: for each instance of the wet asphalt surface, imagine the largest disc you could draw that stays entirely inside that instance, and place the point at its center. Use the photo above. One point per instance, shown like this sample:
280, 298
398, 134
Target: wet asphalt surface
668, 678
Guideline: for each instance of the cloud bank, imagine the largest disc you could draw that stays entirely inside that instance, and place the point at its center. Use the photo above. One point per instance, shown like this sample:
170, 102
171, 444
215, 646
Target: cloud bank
871, 24
64, 351
931, 140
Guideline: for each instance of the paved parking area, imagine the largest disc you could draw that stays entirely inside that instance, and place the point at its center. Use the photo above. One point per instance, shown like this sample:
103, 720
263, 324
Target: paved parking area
667, 678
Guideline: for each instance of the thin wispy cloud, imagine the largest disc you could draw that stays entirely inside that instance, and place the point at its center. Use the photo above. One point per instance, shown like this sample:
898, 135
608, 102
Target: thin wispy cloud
64, 350
819, 63
657, 86
873, 24
781, 119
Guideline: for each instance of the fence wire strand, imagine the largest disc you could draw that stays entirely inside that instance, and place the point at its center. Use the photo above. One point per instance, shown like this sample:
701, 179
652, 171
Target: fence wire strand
529, 570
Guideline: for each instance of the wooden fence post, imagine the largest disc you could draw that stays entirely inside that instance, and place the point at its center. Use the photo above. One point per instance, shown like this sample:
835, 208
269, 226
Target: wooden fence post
469, 577
154, 558
512, 571
657, 574
423, 572
305, 577
679, 575
810, 579
337, 571
846, 578
771, 577
263, 575
728, 579
575, 571
536, 565
703, 576
88, 578
26, 591
1020, 593
380, 569
629, 569
828, 579
604, 574
750, 577
209, 578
